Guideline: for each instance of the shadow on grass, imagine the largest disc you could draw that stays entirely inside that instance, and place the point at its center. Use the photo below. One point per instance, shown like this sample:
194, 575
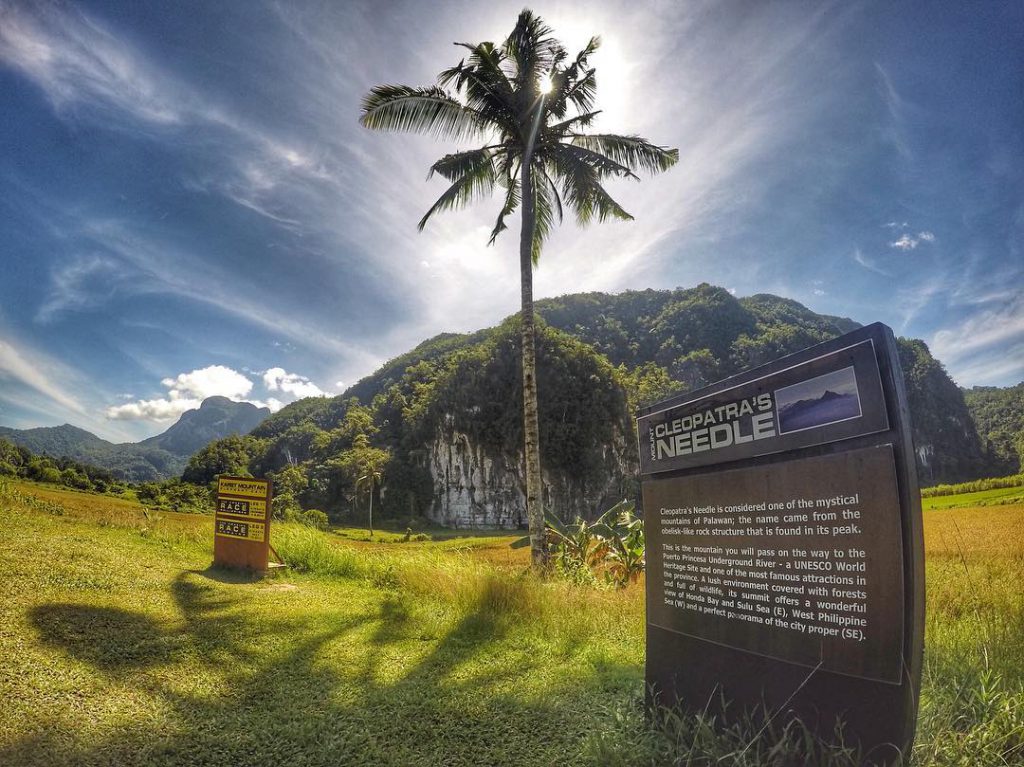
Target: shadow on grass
108, 638
310, 694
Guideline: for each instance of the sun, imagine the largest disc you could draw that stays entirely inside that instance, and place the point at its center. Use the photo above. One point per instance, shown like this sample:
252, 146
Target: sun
544, 85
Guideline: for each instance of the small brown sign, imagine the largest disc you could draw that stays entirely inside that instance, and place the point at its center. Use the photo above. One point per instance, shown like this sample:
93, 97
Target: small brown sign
242, 523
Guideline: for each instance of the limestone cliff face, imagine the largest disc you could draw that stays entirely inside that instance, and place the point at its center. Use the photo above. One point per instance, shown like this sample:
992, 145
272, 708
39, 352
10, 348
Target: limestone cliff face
477, 488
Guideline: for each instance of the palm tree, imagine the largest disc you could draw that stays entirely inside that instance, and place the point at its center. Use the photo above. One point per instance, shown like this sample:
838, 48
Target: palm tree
517, 96
371, 477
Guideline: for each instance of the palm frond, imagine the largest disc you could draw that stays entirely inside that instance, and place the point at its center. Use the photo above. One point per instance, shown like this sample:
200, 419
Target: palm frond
579, 121
583, 91
554, 192
422, 110
604, 166
544, 215
486, 86
478, 180
534, 51
455, 166
581, 186
607, 207
509, 179
568, 85
632, 151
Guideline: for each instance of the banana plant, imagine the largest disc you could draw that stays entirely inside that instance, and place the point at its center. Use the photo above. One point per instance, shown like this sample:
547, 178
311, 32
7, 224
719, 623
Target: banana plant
613, 544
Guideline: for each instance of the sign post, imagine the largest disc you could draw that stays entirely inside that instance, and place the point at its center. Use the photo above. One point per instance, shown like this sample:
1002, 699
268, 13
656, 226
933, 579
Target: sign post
241, 536
785, 562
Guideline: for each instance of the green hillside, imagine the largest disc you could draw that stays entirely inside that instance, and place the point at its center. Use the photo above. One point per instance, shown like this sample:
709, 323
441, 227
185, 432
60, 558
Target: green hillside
443, 420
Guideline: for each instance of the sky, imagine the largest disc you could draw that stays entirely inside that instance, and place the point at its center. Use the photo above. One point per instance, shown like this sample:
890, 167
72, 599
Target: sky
189, 207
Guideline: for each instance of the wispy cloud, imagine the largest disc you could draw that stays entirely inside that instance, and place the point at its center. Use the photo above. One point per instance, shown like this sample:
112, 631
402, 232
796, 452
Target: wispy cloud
896, 107
990, 332
77, 62
868, 264
81, 283
39, 373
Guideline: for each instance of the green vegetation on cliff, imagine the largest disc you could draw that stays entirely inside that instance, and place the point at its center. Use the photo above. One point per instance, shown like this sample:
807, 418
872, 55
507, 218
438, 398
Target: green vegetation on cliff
999, 415
600, 356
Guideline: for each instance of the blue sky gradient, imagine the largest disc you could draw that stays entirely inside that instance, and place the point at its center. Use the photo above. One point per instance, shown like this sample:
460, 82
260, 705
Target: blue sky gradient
188, 205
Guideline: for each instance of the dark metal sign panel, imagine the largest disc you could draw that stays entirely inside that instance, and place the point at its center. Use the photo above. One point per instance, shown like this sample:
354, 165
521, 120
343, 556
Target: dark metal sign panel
785, 563
825, 399
799, 561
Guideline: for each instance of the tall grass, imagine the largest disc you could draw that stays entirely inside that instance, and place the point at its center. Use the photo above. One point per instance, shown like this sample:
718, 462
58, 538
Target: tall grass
442, 584
974, 486
750, 739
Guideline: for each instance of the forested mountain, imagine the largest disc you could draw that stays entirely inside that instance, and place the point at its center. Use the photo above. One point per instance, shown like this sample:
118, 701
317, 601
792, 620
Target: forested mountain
19, 461
443, 421
999, 415
159, 457
128, 461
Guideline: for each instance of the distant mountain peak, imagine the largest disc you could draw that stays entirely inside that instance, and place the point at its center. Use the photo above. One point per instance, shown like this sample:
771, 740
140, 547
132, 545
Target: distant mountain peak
219, 401
215, 418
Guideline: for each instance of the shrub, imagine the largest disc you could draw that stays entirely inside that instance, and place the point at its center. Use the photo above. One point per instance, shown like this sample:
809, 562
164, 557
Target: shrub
315, 518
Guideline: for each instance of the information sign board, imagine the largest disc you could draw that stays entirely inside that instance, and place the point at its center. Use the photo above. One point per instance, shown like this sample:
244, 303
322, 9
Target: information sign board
242, 523
784, 548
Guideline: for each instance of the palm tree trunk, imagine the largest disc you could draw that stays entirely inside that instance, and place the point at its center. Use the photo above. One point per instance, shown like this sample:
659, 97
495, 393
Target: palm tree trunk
531, 426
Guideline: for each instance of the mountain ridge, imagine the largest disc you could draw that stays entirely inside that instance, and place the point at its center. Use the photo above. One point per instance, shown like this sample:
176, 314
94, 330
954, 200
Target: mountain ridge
159, 457
444, 419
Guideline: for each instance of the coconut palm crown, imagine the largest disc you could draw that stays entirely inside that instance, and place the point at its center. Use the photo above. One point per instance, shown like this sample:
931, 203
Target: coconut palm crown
530, 104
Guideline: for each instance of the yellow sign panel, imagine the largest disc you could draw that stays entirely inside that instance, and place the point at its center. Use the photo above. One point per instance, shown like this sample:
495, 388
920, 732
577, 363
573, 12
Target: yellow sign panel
247, 488
246, 531
255, 509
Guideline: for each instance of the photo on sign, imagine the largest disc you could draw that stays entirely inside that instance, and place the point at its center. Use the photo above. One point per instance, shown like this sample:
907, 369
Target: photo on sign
818, 401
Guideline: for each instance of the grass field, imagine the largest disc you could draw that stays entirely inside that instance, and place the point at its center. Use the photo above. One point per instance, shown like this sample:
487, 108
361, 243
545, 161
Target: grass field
120, 646
995, 497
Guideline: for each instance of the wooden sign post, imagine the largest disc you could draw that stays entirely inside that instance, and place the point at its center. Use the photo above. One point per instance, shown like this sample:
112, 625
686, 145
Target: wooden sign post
241, 537
785, 562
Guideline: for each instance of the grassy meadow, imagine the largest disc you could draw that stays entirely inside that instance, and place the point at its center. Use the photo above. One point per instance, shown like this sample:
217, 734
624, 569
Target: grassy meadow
120, 646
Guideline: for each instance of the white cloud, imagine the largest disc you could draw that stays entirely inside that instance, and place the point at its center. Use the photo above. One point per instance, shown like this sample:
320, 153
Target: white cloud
909, 241
152, 409
215, 380
270, 403
277, 379
185, 392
